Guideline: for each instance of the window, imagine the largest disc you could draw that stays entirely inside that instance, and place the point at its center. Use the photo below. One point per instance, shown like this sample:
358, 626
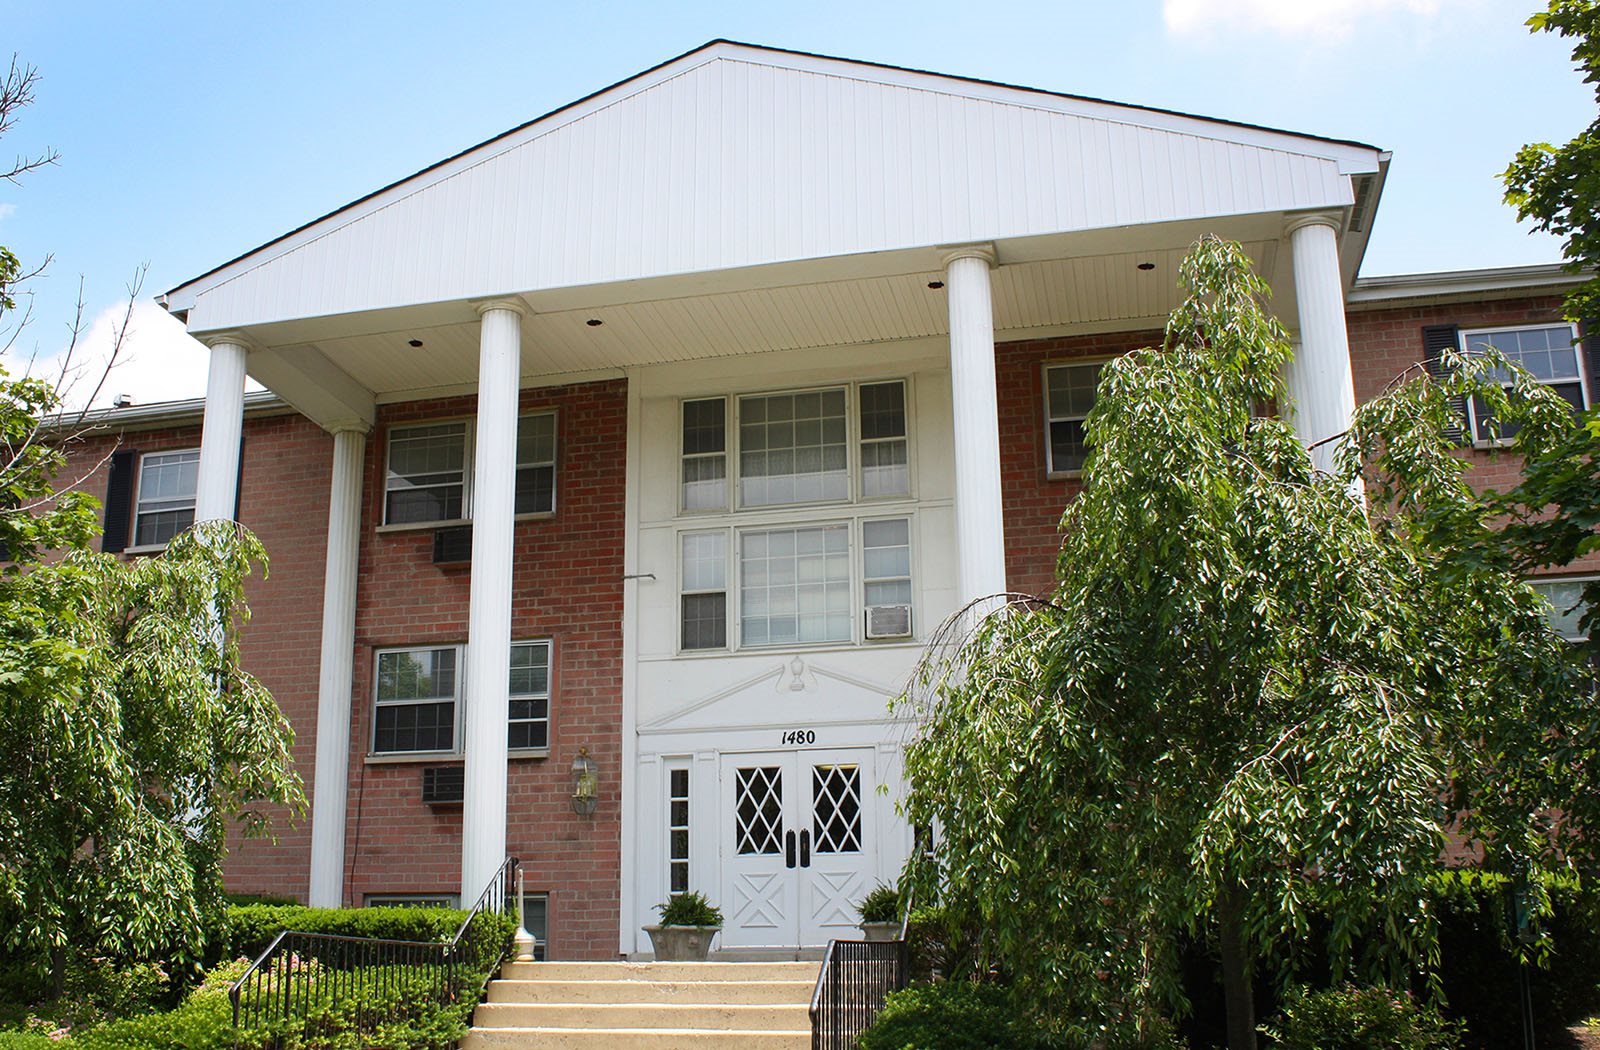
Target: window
794, 585
417, 690
677, 831
429, 476
704, 594
1548, 352
884, 467
1068, 397
705, 455
168, 482
537, 922
1566, 606
529, 724
536, 464
795, 448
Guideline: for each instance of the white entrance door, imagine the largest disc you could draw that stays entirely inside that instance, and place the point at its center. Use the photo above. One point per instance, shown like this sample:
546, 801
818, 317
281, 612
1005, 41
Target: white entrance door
796, 840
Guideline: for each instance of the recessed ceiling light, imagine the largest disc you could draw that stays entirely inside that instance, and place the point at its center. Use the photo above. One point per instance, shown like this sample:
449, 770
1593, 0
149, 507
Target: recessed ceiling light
414, 342
935, 285
1147, 266
594, 322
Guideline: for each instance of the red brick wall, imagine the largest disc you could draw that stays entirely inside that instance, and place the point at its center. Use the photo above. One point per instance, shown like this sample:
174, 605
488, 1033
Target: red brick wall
567, 586
287, 466
1032, 502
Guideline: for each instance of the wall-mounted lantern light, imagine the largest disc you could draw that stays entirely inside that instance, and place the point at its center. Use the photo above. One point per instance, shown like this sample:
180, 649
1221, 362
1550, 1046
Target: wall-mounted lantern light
585, 784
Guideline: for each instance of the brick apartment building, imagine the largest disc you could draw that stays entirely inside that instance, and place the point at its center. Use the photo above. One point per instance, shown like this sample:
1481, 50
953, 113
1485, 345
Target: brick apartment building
655, 436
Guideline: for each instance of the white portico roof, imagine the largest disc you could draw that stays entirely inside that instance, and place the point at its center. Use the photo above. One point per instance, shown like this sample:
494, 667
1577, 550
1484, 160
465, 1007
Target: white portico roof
737, 186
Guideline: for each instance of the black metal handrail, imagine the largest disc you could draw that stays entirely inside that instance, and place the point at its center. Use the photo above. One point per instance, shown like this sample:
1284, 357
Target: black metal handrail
300, 971
856, 977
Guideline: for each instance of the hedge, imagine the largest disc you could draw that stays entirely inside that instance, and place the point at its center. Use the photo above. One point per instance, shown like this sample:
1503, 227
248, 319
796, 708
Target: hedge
251, 927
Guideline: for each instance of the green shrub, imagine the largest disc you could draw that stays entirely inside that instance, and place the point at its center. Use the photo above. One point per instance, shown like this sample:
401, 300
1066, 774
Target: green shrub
689, 909
1352, 1018
881, 905
941, 946
203, 1021
251, 927
950, 1015
1479, 968
10, 1040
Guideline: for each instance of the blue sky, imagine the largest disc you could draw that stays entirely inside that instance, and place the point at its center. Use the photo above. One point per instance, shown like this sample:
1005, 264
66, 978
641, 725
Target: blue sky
191, 132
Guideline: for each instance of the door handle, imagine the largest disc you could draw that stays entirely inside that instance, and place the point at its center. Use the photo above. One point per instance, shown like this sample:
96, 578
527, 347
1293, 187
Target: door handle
788, 849
805, 849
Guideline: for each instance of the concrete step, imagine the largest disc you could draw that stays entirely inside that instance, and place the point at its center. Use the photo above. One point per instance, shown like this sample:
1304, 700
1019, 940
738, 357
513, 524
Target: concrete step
675, 1016
631, 1039
640, 991
662, 971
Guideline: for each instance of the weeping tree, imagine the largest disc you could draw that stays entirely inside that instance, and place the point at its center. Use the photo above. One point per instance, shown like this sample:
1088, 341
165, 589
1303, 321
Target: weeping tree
1257, 704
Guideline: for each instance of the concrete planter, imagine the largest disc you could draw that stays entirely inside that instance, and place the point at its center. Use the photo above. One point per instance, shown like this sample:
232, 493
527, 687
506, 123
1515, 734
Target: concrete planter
681, 943
881, 931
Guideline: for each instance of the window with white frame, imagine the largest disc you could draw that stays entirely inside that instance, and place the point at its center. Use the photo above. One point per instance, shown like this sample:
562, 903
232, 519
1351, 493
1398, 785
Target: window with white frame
677, 831
795, 447
168, 482
796, 585
529, 724
1068, 397
1566, 605
1549, 353
703, 616
429, 476
416, 698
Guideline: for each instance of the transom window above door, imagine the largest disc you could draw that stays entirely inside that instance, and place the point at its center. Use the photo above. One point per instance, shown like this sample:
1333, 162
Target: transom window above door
829, 445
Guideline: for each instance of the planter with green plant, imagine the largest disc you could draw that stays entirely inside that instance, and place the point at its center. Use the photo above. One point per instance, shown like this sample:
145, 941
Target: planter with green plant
688, 923
880, 914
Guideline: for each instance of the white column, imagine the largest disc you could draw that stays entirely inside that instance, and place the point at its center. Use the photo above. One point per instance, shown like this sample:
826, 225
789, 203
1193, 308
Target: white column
223, 426
483, 817
980, 527
1318, 379
331, 781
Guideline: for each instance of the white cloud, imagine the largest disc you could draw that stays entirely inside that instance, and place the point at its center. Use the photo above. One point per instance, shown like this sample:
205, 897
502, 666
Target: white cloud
158, 361
1286, 17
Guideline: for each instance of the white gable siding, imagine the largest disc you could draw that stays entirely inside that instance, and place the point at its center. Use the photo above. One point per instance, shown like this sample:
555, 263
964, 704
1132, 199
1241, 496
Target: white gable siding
731, 163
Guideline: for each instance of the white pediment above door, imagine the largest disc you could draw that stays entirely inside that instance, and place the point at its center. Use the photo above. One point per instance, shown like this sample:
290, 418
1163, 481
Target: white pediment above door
783, 690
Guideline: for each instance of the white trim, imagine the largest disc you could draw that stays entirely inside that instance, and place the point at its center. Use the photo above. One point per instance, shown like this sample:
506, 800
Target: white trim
1382, 290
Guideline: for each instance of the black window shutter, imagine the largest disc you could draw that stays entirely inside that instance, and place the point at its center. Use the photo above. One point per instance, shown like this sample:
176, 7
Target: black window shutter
238, 482
1436, 339
1589, 339
119, 500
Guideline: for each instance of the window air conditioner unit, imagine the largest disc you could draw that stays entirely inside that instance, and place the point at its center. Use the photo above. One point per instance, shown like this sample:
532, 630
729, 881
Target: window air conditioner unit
452, 546
888, 621
443, 784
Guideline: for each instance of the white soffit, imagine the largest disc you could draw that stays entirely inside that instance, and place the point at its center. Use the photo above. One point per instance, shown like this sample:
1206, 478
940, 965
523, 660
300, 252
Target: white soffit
735, 156
1049, 294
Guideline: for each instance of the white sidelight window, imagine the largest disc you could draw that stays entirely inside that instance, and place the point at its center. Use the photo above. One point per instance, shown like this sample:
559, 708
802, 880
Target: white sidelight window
885, 465
704, 590
528, 725
1069, 395
429, 477
794, 585
168, 482
677, 830
793, 448
416, 700
1549, 352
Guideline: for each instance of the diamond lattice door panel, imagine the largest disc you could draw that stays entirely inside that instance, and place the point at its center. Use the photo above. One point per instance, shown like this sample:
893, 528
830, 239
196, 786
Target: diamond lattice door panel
796, 846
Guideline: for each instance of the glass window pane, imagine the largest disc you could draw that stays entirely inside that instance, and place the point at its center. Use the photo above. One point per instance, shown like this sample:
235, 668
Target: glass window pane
791, 581
883, 411
1566, 605
536, 439
416, 674
427, 473
705, 621
792, 448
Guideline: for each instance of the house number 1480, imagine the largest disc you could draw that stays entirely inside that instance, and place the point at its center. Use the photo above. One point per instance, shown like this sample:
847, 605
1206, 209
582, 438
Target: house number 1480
800, 736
